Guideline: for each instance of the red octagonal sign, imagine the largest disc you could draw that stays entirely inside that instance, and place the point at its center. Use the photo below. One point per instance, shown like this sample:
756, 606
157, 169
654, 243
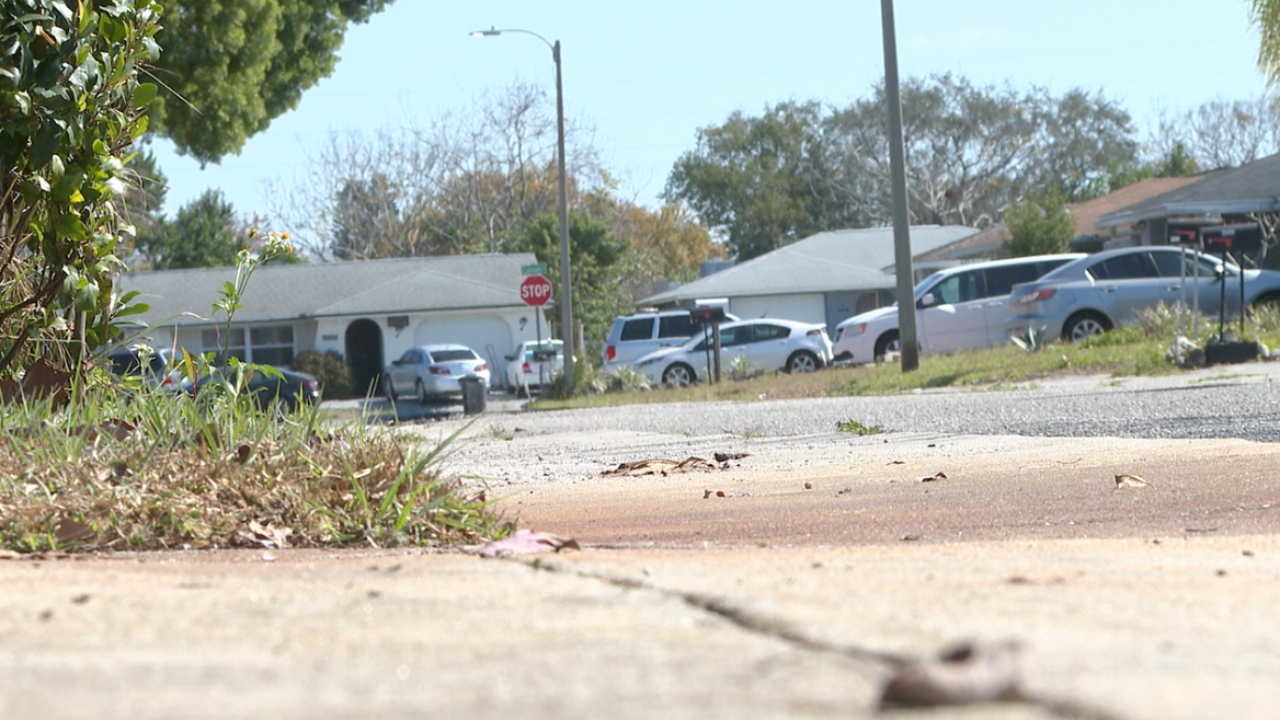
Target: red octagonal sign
535, 290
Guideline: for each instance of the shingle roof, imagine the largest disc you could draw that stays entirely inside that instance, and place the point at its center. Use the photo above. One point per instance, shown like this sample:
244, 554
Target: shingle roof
990, 240
826, 262
367, 287
1254, 187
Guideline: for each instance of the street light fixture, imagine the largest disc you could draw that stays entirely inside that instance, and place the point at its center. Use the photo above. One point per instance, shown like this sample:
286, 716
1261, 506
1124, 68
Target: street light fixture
566, 300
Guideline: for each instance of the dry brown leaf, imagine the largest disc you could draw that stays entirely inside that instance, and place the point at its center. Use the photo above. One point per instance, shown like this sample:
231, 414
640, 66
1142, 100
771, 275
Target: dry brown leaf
659, 466
72, 530
526, 542
961, 676
267, 536
935, 477
40, 380
1123, 481
726, 457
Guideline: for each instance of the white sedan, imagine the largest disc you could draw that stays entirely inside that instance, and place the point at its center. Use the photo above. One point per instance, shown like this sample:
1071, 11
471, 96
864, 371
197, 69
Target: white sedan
745, 345
532, 364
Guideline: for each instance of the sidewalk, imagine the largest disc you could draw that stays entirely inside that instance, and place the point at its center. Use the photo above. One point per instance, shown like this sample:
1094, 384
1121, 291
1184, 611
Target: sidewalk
774, 601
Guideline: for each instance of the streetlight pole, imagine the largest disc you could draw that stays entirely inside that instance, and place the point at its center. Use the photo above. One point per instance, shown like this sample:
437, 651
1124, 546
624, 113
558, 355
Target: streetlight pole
566, 293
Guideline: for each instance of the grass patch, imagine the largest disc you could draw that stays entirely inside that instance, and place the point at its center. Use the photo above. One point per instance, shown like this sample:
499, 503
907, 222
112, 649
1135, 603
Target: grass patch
148, 470
857, 428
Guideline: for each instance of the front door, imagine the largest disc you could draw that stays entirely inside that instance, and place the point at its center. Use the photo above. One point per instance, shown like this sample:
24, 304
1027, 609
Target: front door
364, 356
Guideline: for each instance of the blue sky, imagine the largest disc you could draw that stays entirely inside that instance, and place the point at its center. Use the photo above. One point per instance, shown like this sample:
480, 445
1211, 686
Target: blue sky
648, 75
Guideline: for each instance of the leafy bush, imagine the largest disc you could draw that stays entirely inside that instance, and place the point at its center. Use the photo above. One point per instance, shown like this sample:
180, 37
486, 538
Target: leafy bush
330, 369
628, 379
72, 107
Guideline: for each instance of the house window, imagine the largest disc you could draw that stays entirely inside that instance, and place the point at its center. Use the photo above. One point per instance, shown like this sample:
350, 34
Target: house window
212, 340
272, 345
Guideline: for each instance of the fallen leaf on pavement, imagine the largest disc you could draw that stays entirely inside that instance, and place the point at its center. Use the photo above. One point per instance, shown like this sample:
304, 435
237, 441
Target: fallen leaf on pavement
659, 466
934, 478
1027, 580
526, 542
726, 457
960, 676
1123, 481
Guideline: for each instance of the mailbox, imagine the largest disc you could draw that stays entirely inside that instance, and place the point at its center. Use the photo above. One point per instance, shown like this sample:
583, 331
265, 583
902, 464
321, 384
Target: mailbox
707, 314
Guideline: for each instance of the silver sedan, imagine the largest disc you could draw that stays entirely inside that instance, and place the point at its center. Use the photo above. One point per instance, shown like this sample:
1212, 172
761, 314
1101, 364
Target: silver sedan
1110, 289
434, 371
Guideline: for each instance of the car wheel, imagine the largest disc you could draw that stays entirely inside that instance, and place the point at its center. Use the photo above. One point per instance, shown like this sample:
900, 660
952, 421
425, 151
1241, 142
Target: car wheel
802, 362
887, 343
422, 393
1084, 326
680, 375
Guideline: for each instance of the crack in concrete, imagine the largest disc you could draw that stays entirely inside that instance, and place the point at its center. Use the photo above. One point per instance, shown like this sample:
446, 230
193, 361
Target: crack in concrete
777, 629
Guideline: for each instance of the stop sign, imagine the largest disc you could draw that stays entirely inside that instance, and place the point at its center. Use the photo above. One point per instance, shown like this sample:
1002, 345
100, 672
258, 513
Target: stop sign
535, 290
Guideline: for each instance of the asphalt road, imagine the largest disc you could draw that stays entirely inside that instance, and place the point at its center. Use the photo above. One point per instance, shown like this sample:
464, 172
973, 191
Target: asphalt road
1223, 402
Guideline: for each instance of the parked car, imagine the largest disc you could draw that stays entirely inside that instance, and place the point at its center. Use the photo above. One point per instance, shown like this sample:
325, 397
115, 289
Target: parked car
959, 308
533, 364
764, 344
633, 336
159, 371
1110, 289
269, 386
434, 372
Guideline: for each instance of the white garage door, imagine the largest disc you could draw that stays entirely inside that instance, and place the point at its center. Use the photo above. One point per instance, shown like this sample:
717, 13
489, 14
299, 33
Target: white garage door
801, 308
488, 335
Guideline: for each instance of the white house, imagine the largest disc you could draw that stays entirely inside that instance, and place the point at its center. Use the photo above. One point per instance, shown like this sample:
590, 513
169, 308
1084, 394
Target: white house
824, 278
369, 311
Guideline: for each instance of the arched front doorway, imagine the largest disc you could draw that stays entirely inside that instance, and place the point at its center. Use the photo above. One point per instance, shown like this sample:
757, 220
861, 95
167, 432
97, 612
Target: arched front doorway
364, 356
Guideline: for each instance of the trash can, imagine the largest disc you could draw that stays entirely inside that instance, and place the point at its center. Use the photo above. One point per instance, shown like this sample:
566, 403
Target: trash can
474, 395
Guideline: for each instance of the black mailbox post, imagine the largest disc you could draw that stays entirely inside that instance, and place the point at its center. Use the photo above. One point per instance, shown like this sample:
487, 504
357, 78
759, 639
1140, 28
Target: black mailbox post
711, 315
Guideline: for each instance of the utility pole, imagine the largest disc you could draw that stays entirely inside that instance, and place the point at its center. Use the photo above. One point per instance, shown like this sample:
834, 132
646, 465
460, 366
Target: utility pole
907, 343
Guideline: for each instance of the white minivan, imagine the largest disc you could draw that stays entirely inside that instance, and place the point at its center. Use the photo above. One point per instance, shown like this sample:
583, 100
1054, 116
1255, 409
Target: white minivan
959, 308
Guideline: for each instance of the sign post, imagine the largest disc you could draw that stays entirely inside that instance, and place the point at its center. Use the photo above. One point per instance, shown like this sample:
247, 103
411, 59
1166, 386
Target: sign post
535, 290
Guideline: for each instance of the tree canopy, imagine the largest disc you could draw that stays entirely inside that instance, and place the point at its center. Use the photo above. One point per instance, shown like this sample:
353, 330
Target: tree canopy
231, 66
1265, 15
1041, 224
972, 152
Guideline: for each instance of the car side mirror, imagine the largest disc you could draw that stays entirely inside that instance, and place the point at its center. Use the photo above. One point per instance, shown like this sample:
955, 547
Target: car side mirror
396, 363
928, 300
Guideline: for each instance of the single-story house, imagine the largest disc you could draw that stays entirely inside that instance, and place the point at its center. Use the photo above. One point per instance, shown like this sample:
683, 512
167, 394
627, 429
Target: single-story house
824, 278
1215, 204
989, 243
368, 311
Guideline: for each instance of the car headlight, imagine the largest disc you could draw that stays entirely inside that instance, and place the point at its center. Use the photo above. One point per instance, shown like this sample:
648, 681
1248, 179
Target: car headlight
851, 330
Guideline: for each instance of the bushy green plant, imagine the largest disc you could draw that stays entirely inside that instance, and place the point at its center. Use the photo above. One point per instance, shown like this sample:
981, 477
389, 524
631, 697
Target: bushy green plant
72, 107
740, 368
1034, 340
627, 379
330, 369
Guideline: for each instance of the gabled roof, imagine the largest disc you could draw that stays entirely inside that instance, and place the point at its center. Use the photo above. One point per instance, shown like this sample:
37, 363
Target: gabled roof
277, 292
1254, 187
989, 241
1090, 211
826, 262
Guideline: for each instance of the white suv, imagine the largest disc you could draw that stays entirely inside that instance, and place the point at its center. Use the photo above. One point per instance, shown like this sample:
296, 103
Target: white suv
634, 336
959, 308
